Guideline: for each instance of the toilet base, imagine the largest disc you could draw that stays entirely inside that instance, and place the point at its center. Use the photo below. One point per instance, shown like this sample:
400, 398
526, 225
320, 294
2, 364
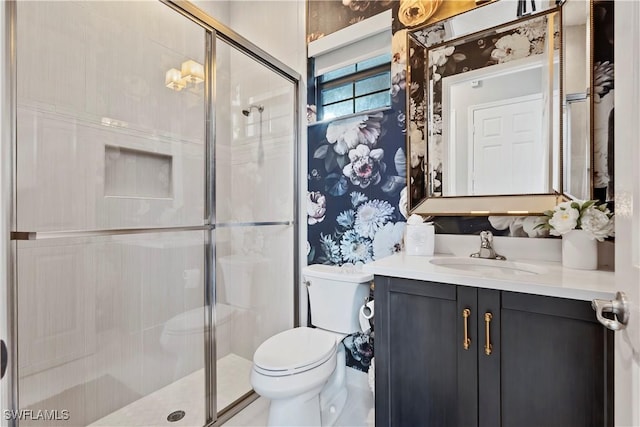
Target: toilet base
334, 394
303, 410
318, 407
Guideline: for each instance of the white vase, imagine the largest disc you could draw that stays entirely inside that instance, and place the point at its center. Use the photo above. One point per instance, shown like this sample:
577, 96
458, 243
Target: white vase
579, 250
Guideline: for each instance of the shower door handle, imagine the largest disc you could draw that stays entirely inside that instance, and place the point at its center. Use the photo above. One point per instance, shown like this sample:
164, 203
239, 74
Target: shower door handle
3, 358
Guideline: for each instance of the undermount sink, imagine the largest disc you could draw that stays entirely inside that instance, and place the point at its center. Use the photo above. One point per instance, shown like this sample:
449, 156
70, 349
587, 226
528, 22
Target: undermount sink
482, 265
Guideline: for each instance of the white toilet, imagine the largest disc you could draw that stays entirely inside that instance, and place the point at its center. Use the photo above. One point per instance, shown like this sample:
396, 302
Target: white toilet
302, 370
183, 337
241, 274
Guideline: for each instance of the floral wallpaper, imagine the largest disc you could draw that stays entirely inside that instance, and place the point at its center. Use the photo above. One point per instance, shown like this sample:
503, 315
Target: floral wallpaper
357, 170
416, 13
328, 16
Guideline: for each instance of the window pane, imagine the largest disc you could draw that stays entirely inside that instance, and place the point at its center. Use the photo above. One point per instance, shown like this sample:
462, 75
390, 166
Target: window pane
373, 84
374, 62
369, 102
338, 73
337, 110
335, 94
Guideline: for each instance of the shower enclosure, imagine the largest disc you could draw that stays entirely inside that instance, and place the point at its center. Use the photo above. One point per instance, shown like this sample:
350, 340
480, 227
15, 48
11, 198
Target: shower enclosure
153, 205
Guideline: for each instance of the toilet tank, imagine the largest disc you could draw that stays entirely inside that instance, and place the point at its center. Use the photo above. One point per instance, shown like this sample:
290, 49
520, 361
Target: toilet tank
335, 296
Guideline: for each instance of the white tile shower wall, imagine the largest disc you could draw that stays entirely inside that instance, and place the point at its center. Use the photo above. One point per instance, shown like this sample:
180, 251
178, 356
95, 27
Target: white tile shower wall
101, 82
109, 62
93, 312
256, 282
279, 28
276, 26
56, 308
254, 182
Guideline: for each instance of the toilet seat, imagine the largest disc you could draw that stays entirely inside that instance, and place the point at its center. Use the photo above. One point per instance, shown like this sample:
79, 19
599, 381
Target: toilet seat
192, 321
294, 351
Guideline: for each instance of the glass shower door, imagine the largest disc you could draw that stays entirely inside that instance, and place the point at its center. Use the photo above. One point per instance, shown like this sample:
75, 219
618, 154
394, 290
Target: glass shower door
110, 203
255, 232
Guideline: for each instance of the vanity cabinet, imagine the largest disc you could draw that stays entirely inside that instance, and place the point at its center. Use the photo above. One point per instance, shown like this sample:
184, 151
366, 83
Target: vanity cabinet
450, 355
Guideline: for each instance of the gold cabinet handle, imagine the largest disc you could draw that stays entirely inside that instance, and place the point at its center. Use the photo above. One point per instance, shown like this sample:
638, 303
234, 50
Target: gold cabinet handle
487, 321
467, 341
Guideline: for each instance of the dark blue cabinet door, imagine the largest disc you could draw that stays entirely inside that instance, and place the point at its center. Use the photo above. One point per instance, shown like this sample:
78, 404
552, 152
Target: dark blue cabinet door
556, 363
417, 342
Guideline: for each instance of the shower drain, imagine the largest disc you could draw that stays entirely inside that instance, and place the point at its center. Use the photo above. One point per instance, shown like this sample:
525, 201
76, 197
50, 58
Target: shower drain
175, 416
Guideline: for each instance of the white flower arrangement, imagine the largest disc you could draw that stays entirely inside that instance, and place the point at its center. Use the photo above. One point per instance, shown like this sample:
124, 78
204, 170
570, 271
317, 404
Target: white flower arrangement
585, 215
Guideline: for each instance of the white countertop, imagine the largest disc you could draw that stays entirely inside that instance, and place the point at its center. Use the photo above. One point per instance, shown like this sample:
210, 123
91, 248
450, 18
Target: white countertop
552, 279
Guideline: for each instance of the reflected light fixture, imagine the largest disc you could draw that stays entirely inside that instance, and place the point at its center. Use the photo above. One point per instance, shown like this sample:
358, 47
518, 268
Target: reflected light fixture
191, 73
173, 80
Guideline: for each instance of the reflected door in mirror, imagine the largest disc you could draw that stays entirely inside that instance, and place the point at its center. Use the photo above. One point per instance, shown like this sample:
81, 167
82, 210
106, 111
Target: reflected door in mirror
507, 149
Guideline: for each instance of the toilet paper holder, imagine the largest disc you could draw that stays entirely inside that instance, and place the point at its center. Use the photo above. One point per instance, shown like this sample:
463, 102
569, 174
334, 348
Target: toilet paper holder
365, 315
367, 309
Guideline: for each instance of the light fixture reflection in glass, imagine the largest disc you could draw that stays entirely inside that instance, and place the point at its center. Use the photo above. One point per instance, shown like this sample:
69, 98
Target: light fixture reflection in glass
192, 71
173, 80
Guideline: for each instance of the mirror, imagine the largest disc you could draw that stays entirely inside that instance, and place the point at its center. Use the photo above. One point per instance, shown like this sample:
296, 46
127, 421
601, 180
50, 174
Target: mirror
484, 113
576, 31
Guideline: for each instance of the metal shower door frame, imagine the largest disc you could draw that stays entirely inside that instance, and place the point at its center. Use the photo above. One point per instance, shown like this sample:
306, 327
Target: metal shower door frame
8, 289
9, 235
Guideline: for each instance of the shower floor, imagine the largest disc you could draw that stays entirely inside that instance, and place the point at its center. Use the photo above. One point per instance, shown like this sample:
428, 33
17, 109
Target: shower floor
186, 394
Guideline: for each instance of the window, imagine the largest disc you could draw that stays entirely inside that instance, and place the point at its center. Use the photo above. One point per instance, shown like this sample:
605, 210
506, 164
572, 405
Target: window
358, 87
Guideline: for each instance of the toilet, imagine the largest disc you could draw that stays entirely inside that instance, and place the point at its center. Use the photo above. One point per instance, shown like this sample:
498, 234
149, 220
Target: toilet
183, 337
302, 370
241, 274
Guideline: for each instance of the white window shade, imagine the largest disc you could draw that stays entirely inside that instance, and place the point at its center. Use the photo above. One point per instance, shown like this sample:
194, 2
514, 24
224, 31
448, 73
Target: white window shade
358, 42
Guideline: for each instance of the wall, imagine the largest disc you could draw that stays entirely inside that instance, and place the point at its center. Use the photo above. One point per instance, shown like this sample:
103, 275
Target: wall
357, 170
404, 18
328, 16
356, 167
276, 26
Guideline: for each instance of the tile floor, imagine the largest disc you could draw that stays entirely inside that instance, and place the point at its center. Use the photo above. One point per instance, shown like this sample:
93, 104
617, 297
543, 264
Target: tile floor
233, 377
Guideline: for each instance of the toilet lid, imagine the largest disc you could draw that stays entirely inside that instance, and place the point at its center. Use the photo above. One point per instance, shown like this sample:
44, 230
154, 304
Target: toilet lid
295, 350
192, 321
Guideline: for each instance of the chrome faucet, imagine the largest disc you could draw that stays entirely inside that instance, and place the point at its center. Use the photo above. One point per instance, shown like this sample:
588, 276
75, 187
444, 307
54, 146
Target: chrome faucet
486, 248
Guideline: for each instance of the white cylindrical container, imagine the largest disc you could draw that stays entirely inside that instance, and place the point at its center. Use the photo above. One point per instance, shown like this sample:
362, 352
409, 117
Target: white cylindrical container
419, 239
579, 250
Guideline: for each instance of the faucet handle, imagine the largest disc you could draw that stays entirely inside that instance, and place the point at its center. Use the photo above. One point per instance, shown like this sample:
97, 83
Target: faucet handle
486, 247
486, 239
